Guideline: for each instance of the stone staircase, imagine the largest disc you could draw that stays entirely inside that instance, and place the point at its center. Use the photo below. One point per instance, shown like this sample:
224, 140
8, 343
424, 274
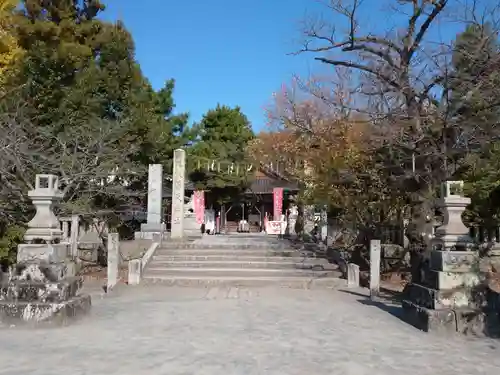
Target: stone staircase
239, 260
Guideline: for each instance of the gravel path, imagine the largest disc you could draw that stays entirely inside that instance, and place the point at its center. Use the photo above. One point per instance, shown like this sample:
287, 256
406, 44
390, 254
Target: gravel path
160, 330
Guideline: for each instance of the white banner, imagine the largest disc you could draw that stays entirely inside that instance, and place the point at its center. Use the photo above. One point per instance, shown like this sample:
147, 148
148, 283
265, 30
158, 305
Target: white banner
275, 227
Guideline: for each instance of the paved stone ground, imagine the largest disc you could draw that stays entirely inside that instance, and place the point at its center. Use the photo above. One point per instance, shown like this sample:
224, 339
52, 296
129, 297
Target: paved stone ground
158, 330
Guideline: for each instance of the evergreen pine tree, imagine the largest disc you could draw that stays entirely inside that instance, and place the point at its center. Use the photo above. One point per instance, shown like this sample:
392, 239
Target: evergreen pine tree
223, 136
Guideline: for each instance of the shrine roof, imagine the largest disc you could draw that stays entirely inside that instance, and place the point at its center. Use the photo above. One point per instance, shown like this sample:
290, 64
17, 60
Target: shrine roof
264, 182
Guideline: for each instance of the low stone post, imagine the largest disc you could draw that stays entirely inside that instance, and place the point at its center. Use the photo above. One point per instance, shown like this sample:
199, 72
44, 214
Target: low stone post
65, 228
352, 275
374, 268
113, 259
134, 271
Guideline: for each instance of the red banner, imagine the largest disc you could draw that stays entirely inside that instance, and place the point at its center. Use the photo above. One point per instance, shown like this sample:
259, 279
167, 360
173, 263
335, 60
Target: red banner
199, 206
278, 202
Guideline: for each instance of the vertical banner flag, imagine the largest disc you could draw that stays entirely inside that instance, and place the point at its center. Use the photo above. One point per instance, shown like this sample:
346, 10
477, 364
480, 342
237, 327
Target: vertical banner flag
199, 206
278, 203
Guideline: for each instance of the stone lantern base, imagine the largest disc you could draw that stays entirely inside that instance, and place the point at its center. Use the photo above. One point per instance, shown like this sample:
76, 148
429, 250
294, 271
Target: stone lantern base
445, 300
32, 295
42, 288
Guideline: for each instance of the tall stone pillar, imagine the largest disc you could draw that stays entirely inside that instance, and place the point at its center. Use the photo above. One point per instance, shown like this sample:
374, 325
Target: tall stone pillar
178, 194
155, 195
75, 228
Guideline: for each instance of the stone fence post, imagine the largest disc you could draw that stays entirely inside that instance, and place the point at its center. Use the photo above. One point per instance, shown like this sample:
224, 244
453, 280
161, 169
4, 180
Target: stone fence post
374, 268
113, 260
352, 275
134, 271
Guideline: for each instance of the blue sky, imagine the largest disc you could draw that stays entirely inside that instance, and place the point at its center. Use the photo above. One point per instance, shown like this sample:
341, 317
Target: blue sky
231, 52
219, 51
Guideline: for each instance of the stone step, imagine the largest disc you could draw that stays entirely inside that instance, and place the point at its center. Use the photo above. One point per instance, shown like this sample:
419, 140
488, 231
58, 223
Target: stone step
153, 270
237, 264
228, 252
223, 245
230, 257
242, 281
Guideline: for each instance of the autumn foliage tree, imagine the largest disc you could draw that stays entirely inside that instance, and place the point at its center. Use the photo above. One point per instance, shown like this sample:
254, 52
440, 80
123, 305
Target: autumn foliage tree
10, 51
419, 106
329, 151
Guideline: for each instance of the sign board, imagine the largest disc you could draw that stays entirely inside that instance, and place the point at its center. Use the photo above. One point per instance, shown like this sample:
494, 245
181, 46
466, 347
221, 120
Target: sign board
275, 227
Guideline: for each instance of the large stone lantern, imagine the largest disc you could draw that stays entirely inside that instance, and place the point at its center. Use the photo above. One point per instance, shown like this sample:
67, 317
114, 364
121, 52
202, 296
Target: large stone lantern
452, 234
443, 300
44, 225
42, 287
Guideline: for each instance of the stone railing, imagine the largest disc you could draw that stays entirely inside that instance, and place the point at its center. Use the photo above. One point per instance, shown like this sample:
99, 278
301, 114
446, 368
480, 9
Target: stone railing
82, 237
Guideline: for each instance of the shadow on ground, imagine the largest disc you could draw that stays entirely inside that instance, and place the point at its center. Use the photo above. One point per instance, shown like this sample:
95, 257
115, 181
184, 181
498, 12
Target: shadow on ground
388, 301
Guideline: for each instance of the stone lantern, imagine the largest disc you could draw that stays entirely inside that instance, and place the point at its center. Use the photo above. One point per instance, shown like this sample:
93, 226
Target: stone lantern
42, 287
44, 225
444, 299
452, 234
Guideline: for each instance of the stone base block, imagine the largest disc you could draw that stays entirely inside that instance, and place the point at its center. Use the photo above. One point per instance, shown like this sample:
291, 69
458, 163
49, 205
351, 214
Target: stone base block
150, 235
453, 261
451, 280
153, 227
47, 234
465, 321
31, 291
38, 313
44, 272
438, 299
49, 253
89, 255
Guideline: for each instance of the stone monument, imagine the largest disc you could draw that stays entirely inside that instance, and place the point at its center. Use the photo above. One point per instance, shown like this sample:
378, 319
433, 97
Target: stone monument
154, 224
42, 287
443, 300
178, 182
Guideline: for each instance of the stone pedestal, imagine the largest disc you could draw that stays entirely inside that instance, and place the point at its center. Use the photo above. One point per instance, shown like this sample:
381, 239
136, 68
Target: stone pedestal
42, 287
444, 300
32, 295
148, 231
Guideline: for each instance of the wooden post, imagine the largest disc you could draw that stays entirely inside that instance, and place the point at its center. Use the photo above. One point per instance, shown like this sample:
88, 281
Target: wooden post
374, 268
